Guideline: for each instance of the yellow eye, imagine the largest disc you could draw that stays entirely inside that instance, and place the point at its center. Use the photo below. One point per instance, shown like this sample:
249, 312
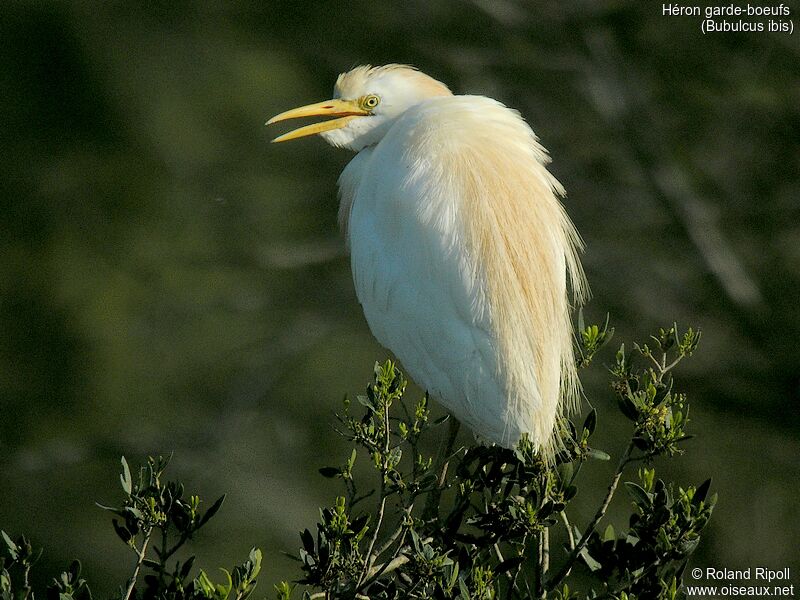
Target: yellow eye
370, 101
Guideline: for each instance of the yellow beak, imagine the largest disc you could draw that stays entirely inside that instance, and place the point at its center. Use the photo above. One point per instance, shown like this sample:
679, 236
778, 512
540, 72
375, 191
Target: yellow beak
347, 110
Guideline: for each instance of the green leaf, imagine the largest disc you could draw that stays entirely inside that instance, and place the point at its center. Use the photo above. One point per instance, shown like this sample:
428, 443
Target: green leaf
122, 532
308, 541
329, 472
187, 567
628, 408
255, 558
211, 511
464, 590
591, 421
632, 538
137, 514
283, 590
359, 523
701, 492
125, 477
609, 534
365, 401
639, 495
75, 570
565, 473
352, 460
13, 549
205, 584
590, 562
569, 492
597, 454
509, 564
117, 511
621, 356
687, 546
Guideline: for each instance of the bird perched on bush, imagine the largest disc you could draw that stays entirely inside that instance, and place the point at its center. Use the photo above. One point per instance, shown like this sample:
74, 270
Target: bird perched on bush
462, 253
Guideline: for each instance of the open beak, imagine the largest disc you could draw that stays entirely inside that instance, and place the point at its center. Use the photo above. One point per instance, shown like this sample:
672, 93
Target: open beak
346, 110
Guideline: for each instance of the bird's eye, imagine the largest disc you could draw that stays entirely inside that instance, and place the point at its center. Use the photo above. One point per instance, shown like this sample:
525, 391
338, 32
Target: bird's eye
370, 101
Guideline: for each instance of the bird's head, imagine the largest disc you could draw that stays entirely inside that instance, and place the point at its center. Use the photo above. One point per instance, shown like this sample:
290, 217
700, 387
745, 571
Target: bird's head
365, 103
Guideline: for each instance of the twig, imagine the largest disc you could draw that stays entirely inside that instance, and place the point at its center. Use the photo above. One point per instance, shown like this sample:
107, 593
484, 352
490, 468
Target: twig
498, 553
392, 539
673, 364
376, 571
573, 556
381, 511
25, 577
517, 571
662, 366
569, 529
361, 497
400, 544
369, 559
542, 563
141, 554
545, 553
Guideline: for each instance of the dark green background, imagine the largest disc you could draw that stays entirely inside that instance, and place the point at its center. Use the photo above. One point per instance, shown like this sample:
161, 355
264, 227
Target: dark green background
169, 281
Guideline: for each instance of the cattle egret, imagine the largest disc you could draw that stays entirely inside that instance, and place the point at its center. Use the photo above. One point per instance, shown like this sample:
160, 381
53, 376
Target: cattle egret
461, 250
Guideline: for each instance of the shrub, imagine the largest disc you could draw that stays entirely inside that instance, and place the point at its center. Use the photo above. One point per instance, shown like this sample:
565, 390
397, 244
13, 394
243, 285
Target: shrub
473, 523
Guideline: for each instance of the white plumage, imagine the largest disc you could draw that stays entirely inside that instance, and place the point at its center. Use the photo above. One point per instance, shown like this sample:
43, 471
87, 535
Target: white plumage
460, 248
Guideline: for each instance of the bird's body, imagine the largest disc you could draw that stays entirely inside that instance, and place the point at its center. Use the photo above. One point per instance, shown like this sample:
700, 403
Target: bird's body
461, 252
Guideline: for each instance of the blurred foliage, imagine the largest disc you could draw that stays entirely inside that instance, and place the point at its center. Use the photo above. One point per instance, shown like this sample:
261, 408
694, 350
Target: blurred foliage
171, 282
488, 537
152, 512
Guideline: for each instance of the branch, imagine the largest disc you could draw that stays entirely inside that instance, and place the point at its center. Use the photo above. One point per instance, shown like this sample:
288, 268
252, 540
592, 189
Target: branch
141, 554
370, 558
573, 556
568, 526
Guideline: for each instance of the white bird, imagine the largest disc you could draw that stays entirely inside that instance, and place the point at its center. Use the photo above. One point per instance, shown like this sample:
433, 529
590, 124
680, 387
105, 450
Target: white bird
461, 250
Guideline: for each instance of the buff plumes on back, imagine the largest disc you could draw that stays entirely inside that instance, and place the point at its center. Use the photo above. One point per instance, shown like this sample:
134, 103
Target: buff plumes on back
525, 249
